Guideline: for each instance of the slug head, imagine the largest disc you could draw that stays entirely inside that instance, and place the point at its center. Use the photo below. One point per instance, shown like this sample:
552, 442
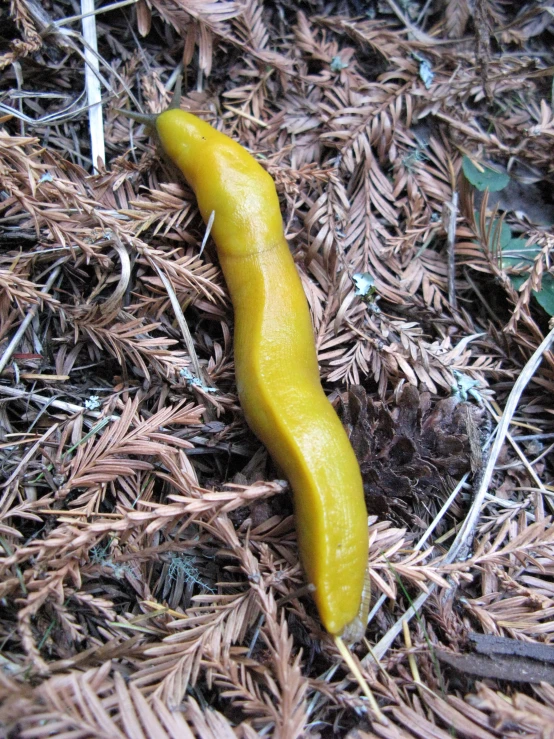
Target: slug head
183, 137
228, 182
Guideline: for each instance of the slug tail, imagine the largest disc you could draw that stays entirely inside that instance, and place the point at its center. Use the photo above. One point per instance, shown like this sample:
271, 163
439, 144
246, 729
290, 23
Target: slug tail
354, 631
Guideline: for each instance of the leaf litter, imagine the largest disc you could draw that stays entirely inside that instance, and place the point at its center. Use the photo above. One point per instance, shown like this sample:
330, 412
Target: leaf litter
150, 583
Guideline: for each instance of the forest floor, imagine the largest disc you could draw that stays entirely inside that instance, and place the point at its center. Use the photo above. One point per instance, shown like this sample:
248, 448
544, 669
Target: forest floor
150, 584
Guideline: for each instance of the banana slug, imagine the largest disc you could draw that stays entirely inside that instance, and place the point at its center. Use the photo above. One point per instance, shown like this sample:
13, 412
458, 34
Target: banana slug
276, 365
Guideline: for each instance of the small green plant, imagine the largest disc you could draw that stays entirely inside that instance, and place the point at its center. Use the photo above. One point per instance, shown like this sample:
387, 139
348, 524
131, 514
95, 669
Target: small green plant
484, 178
515, 252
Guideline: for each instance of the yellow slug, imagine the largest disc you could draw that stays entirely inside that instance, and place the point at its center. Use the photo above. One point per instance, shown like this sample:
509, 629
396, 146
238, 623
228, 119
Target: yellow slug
275, 358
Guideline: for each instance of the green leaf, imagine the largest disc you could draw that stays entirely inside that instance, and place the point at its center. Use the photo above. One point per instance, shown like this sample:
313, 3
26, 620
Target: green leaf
517, 281
503, 238
505, 235
516, 253
545, 297
487, 179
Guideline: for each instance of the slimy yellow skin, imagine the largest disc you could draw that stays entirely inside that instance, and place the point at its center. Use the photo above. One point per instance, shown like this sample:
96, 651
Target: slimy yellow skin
275, 358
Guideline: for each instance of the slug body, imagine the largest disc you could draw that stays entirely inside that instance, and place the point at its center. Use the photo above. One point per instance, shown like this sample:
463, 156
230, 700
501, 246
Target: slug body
276, 363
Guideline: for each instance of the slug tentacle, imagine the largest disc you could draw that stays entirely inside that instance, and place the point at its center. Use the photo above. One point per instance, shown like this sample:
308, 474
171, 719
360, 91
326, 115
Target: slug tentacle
148, 119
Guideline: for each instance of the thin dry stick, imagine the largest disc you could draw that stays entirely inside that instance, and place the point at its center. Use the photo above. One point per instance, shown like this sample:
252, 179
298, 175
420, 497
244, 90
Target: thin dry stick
425, 536
462, 542
516, 448
450, 214
61, 116
384, 644
92, 83
411, 657
416, 33
105, 9
12, 346
207, 232
355, 670
460, 547
61, 404
22, 464
181, 321
440, 515
480, 295
114, 302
